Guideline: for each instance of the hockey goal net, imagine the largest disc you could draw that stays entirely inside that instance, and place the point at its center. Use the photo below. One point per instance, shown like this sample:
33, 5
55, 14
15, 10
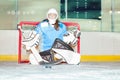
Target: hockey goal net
26, 29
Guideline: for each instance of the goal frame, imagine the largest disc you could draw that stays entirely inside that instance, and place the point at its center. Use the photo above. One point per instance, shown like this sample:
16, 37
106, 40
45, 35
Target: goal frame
33, 23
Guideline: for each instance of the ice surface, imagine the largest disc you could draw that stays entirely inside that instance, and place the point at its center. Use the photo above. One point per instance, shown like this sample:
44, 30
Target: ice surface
83, 71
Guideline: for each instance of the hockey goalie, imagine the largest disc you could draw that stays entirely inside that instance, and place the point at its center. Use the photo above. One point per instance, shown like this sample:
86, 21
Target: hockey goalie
56, 45
61, 51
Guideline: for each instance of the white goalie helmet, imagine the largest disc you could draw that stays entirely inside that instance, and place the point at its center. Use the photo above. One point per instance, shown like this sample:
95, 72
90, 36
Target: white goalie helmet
53, 19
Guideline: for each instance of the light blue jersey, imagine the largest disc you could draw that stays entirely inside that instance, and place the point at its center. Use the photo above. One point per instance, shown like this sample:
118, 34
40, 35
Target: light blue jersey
48, 34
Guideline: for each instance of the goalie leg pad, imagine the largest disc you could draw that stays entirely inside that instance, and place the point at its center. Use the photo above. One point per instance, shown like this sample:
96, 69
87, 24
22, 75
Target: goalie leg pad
69, 56
48, 55
33, 60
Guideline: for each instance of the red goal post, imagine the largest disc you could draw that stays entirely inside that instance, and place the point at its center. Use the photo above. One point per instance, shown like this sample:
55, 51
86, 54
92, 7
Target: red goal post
32, 23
